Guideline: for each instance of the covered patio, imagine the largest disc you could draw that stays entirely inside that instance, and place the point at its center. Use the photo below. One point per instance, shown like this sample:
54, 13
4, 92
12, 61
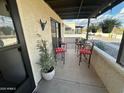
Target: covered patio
35, 20
72, 78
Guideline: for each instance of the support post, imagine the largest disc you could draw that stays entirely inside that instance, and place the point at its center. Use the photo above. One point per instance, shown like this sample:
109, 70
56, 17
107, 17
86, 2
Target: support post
120, 58
88, 24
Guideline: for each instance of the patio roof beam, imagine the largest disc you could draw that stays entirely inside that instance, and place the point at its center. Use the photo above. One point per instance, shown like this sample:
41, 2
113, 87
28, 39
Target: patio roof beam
73, 13
82, 1
109, 7
63, 3
73, 17
99, 10
88, 24
75, 7
95, 8
74, 10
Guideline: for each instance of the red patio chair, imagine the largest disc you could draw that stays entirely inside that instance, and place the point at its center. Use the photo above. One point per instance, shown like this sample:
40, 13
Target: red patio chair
64, 45
86, 50
61, 51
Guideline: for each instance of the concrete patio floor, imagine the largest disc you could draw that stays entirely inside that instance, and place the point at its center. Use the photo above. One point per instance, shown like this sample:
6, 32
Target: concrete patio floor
72, 78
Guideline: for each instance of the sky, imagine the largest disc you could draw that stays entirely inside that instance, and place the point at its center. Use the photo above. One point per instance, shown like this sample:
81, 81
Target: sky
116, 12
6, 21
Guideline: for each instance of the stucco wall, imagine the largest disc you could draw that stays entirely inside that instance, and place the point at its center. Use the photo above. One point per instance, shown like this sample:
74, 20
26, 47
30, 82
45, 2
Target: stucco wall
108, 70
31, 11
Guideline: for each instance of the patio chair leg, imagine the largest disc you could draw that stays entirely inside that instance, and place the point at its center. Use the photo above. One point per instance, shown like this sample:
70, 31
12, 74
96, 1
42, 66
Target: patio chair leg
77, 51
75, 48
55, 58
63, 57
80, 57
85, 56
89, 61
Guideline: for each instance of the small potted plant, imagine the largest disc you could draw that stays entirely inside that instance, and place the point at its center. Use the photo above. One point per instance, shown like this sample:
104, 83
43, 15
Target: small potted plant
107, 25
93, 28
46, 62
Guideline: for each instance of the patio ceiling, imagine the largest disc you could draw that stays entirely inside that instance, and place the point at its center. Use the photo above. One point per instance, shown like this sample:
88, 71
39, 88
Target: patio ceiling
77, 9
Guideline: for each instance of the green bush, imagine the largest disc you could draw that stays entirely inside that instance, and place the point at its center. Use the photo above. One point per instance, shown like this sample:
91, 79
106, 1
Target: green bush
93, 28
6, 30
47, 61
107, 25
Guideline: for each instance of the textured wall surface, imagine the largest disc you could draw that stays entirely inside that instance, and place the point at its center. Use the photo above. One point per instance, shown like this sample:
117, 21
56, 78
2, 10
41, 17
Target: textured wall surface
108, 70
31, 11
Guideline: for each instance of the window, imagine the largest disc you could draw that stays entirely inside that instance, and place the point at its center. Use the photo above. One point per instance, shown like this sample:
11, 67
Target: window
7, 31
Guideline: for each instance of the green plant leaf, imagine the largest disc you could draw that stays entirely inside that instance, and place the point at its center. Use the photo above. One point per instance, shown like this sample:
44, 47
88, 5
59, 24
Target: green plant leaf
46, 60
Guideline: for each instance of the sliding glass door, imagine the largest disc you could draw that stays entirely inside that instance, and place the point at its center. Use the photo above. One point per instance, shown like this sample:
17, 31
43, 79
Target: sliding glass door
56, 33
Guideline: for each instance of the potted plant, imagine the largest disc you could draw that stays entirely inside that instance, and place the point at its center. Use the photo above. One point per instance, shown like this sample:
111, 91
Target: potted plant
107, 25
93, 28
46, 62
